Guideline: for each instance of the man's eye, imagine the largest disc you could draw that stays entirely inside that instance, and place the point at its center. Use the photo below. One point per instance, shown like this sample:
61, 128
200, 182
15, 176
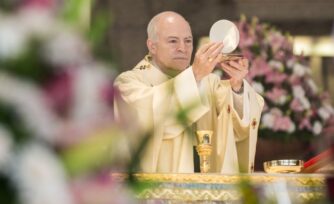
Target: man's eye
172, 41
189, 41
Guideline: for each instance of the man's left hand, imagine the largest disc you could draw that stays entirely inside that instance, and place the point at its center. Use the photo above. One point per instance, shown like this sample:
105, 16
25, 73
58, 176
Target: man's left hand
236, 70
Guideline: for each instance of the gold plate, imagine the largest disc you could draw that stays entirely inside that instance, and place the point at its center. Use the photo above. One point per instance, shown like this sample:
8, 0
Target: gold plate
283, 166
230, 57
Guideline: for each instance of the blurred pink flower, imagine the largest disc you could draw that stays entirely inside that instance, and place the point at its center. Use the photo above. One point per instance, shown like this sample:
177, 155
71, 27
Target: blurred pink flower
275, 94
305, 123
276, 77
285, 79
259, 67
283, 124
47, 4
296, 106
59, 91
294, 80
100, 189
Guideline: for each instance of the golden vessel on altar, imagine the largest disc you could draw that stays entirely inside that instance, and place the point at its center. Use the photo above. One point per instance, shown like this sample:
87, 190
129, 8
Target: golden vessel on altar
204, 149
283, 166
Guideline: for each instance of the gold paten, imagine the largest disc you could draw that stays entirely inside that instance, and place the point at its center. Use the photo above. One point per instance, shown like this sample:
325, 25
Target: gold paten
230, 57
283, 166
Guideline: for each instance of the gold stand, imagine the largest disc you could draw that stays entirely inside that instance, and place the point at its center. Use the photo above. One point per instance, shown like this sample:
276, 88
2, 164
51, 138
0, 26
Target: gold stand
204, 149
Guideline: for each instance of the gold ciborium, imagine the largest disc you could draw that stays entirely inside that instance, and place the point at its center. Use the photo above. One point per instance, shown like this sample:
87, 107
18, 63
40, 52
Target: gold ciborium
283, 166
204, 149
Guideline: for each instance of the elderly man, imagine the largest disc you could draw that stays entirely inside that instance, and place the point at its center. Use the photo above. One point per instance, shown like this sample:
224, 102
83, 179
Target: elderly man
164, 83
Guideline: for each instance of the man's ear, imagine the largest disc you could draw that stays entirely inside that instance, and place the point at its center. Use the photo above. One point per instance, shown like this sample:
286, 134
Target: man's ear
152, 47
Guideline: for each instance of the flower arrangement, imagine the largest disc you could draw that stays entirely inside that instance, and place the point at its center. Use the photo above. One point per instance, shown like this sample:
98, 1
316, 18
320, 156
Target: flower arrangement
57, 133
294, 107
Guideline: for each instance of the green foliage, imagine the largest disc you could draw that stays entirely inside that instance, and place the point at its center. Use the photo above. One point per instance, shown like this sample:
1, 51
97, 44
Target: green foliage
92, 153
29, 64
9, 5
10, 119
248, 192
7, 191
96, 30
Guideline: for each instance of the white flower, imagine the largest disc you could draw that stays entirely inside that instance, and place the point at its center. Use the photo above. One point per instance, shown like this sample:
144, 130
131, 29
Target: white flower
276, 65
37, 21
305, 103
13, 38
312, 85
6, 144
88, 102
39, 176
268, 120
282, 99
290, 63
298, 91
258, 87
292, 127
317, 128
66, 48
325, 111
31, 106
299, 70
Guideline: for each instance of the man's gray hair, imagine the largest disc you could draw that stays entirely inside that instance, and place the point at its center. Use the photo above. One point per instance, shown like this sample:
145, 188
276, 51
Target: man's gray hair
152, 28
152, 25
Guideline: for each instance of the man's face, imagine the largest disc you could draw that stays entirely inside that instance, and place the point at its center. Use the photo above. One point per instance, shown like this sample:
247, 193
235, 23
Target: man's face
174, 45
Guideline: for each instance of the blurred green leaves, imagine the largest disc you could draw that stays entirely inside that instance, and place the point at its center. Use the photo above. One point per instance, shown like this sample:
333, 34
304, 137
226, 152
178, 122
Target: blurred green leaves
29, 64
79, 13
93, 152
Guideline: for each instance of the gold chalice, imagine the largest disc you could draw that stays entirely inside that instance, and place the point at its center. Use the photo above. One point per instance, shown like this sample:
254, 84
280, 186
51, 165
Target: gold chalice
204, 149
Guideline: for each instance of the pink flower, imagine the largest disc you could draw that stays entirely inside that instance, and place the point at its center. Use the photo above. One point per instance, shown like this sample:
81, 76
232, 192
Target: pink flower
247, 54
246, 41
305, 123
259, 67
276, 77
296, 106
277, 95
47, 4
295, 80
59, 91
283, 124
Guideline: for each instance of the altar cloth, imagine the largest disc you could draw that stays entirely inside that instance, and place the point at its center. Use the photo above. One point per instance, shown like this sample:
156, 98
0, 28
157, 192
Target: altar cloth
196, 187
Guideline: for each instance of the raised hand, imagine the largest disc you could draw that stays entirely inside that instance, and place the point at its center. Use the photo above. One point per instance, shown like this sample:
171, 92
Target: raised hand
206, 58
237, 71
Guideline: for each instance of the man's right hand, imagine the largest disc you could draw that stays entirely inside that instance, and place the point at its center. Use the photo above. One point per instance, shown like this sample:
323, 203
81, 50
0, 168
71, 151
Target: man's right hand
206, 58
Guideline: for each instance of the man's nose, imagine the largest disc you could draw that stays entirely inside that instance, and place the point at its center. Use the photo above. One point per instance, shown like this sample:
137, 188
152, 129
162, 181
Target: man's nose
181, 47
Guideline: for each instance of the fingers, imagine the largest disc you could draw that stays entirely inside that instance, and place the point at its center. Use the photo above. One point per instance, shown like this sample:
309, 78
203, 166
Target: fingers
236, 69
209, 50
241, 64
204, 48
213, 50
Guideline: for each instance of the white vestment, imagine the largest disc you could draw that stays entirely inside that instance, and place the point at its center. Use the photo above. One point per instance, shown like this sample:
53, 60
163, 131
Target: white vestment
210, 104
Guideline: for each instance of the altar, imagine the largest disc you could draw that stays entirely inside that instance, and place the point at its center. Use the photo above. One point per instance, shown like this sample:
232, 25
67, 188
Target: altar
224, 188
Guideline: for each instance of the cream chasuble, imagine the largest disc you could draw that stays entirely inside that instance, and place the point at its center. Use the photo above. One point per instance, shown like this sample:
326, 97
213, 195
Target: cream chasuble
153, 100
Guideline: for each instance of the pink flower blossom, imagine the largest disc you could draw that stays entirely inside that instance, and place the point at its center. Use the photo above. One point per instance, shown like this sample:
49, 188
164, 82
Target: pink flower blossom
59, 91
276, 94
276, 77
259, 67
283, 124
296, 106
46, 4
294, 80
305, 123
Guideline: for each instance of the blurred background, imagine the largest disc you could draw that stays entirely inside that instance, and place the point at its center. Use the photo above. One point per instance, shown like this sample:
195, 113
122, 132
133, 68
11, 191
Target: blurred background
58, 58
